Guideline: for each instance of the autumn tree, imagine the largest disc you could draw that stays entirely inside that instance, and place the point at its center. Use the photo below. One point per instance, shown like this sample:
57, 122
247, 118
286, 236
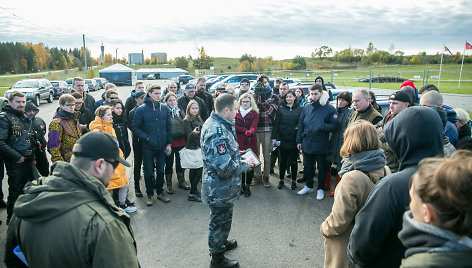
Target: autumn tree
299, 63
259, 65
203, 61
181, 62
108, 59
245, 66
247, 57
322, 52
415, 60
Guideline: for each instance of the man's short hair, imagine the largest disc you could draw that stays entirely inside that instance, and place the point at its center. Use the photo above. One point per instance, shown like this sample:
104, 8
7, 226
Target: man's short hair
428, 87
153, 88
224, 100
77, 79
364, 93
76, 94
284, 84
263, 76
432, 98
66, 98
109, 85
201, 79
316, 87
109, 92
138, 83
14, 94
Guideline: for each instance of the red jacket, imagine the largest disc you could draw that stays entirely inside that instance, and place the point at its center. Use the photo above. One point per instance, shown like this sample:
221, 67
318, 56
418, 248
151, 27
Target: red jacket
249, 122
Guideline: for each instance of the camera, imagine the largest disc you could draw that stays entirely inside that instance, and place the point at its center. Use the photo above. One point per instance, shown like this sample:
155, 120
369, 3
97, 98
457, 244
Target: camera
259, 89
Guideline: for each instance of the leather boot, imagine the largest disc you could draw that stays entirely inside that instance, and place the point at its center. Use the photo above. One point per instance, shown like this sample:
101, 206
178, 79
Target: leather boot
338, 179
218, 260
181, 179
169, 189
327, 186
137, 189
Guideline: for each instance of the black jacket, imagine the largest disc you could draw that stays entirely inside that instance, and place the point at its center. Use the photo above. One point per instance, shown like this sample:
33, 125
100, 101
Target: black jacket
208, 99
17, 137
85, 117
184, 100
119, 125
130, 103
89, 102
286, 125
413, 134
40, 129
193, 140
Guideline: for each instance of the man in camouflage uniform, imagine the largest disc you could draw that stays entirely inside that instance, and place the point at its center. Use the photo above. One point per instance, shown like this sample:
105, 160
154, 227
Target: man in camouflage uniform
222, 167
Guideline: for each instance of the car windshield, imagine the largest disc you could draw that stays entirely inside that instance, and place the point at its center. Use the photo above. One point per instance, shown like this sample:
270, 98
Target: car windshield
26, 84
56, 84
88, 82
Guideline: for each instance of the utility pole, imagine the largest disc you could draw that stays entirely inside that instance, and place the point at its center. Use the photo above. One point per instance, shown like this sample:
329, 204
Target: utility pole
85, 56
116, 56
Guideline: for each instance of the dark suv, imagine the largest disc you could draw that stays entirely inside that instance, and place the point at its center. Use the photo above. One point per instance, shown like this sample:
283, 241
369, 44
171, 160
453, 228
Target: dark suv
184, 78
60, 87
34, 89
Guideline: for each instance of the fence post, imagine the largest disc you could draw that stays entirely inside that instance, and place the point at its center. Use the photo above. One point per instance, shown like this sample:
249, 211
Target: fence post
427, 76
332, 73
370, 79
424, 73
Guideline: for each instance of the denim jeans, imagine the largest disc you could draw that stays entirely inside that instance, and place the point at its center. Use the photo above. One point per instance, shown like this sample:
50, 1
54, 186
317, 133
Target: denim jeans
309, 165
154, 160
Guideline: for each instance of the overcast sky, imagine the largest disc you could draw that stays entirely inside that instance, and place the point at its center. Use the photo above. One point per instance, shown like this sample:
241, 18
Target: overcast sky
281, 29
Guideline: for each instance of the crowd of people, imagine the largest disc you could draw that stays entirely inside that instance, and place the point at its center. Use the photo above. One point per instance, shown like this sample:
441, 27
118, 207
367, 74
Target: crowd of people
381, 164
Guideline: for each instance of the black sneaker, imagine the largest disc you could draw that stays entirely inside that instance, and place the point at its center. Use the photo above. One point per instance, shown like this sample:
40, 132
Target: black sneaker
281, 185
194, 197
301, 180
129, 203
294, 185
247, 191
139, 194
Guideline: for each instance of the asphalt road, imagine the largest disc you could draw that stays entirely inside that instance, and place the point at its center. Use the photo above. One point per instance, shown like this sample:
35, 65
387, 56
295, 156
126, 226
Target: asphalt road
274, 228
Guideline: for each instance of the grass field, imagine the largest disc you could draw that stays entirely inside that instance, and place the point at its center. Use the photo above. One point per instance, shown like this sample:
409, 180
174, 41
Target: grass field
349, 77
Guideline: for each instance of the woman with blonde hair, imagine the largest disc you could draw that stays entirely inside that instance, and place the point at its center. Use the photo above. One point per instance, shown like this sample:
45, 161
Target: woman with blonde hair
247, 118
363, 165
437, 229
104, 122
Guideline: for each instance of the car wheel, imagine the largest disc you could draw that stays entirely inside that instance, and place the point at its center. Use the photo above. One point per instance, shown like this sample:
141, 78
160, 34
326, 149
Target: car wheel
36, 100
50, 98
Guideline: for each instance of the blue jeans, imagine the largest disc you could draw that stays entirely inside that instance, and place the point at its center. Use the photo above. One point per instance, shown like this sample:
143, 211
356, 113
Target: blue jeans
154, 159
309, 165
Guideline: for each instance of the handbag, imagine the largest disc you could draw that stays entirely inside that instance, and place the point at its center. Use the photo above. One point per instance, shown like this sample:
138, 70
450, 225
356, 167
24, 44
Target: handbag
191, 158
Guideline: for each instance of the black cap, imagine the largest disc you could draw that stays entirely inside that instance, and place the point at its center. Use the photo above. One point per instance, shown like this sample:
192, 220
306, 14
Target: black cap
30, 107
244, 80
400, 96
139, 94
190, 87
97, 144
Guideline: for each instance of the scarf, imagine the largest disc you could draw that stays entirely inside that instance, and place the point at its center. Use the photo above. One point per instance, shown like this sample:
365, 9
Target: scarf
175, 111
244, 112
366, 161
421, 237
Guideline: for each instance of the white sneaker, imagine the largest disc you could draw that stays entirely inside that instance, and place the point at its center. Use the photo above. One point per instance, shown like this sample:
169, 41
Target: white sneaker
319, 194
305, 190
128, 209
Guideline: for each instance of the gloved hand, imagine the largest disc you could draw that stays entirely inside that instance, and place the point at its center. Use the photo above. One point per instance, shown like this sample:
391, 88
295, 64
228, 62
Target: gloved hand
248, 133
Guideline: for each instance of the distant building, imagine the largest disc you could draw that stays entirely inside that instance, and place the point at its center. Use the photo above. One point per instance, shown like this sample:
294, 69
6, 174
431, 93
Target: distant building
159, 73
135, 58
160, 57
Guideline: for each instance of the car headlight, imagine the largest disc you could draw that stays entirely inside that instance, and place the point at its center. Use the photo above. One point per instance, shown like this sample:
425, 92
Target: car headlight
5, 95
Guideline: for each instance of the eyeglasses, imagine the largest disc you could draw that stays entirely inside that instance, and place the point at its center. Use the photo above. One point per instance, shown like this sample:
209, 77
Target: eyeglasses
78, 103
244, 84
70, 105
114, 163
245, 101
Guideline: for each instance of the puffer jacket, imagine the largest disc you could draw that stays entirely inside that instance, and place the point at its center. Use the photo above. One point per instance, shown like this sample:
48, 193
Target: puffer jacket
71, 218
222, 165
119, 178
151, 123
286, 124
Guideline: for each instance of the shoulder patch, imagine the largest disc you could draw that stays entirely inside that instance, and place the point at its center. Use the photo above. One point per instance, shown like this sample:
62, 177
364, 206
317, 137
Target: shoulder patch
221, 149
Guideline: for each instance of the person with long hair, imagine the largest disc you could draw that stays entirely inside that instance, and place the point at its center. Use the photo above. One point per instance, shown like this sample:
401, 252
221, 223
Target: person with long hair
119, 125
103, 122
285, 131
178, 143
193, 124
300, 95
437, 229
364, 164
247, 118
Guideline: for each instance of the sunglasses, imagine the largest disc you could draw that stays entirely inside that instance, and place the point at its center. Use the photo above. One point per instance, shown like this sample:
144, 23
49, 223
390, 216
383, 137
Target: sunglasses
114, 163
244, 84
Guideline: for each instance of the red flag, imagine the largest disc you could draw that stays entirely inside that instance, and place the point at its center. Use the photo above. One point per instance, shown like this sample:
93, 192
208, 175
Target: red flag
447, 49
468, 46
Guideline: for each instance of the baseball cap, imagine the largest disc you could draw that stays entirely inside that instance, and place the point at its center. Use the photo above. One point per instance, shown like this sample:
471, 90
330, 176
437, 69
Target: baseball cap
30, 106
244, 80
139, 94
190, 87
278, 79
97, 144
400, 96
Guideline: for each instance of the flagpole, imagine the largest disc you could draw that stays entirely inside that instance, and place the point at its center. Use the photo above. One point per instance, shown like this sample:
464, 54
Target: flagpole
462, 64
440, 66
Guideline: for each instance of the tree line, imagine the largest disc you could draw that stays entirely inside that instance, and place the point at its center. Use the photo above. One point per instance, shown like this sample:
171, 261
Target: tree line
19, 57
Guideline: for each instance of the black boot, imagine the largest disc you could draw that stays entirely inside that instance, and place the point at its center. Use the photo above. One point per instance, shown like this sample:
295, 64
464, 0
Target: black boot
247, 191
218, 260
294, 185
137, 189
181, 180
169, 189
243, 189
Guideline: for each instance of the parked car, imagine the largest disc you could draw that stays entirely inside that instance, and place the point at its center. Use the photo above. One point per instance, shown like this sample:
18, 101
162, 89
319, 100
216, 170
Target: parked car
214, 80
232, 80
60, 87
182, 79
69, 81
34, 89
3, 103
92, 84
150, 77
287, 80
101, 81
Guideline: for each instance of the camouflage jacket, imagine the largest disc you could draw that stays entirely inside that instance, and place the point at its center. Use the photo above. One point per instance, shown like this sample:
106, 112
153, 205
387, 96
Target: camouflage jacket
222, 165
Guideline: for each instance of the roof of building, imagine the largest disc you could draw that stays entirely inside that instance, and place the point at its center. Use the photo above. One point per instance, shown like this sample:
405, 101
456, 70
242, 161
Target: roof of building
117, 68
161, 70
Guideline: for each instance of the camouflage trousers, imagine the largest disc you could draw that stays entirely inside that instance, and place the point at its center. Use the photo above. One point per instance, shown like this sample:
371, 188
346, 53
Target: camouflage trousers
219, 227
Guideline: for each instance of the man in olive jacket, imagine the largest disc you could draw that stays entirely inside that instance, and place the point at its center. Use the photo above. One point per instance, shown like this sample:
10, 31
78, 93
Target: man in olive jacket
69, 219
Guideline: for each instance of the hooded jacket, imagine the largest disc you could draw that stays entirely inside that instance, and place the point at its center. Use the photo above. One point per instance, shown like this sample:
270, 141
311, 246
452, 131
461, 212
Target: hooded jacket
70, 220
451, 130
119, 178
413, 134
151, 123
286, 124
64, 132
317, 120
